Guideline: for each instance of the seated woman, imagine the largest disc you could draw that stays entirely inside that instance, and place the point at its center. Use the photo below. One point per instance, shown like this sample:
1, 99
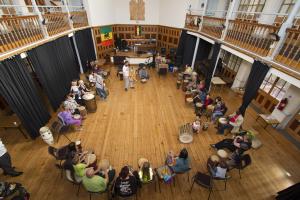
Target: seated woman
93, 182
219, 110
126, 183
235, 120
68, 119
145, 172
181, 163
82, 88
219, 170
196, 125
76, 93
71, 104
143, 73
241, 142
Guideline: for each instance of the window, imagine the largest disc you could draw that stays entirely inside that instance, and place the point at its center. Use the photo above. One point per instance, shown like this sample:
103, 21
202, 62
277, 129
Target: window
287, 6
274, 86
234, 63
252, 5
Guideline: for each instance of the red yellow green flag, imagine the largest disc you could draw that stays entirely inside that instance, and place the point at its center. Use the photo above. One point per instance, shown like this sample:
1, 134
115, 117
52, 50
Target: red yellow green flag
106, 36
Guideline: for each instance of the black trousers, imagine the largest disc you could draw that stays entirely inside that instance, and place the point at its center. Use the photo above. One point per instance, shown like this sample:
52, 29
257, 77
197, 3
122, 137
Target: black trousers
5, 164
226, 143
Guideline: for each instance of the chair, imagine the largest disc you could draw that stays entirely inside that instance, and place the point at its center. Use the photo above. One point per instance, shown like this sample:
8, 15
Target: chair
209, 169
186, 172
244, 162
203, 180
74, 180
60, 127
152, 181
54, 152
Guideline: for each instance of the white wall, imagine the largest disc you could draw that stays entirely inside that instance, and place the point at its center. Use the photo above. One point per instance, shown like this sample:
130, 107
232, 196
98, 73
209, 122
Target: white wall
242, 75
100, 12
122, 12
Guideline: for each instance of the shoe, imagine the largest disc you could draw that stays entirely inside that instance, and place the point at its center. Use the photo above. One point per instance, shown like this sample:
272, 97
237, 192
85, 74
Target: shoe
15, 173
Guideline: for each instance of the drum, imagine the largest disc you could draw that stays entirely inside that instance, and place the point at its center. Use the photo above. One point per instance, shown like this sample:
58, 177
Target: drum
180, 76
143, 80
186, 134
213, 160
222, 120
198, 107
189, 100
188, 94
121, 76
76, 116
184, 85
91, 160
46, 135
222, 154
82, 111
104, 73
90, 102
178, 83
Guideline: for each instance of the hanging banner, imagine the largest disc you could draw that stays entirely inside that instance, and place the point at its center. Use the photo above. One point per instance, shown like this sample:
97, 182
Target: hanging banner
106, 36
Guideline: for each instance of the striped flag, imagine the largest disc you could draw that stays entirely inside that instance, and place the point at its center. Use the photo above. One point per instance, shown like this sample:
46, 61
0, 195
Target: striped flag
106, 36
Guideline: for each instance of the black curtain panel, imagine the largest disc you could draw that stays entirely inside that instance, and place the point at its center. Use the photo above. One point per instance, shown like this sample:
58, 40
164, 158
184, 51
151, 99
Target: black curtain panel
189, 48
19, 91
210, 70
55, 66
258, 72
85, 46
203, 50
180, 48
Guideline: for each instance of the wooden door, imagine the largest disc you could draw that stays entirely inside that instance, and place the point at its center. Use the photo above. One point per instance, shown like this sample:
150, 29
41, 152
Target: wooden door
293, 126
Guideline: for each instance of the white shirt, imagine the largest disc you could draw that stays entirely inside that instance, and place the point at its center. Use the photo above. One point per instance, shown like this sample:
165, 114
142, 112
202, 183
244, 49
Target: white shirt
125, 70
99, 81
3, 149
92, 78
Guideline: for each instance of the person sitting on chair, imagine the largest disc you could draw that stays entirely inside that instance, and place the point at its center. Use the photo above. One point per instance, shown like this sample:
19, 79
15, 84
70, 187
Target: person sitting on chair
241, 142
145, 172
182, 163
196, 125
219, 170
71, 104
219, 110
143, 73
93, 182
92, 78
76, 92
207, 101
235, 120
68, 119
126, 183
201, 86
82, 88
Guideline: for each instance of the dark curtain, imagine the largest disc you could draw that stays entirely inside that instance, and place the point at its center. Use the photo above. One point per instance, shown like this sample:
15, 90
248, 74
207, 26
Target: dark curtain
19, 91
255, 79
203, 50
180, 48
189, 48
292, 192
55, 66
210, 70
85, 47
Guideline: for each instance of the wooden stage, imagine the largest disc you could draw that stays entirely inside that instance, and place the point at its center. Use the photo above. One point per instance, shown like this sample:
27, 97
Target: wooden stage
144, 122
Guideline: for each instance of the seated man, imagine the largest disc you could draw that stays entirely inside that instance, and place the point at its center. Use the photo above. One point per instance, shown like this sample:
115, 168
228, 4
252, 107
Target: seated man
241, 142
93, 182
143, 73
235, 120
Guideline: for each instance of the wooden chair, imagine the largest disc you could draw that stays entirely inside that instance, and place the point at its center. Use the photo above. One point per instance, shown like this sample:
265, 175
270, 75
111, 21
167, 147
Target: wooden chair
203, 180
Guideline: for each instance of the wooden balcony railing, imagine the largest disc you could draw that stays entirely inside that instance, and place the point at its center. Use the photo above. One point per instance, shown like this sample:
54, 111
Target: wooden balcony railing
18, 31
251, 36
289, 53
213, 26
192, 21
56, 23
79, 19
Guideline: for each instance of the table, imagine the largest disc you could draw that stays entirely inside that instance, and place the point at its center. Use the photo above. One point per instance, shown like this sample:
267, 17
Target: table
217, 81
12, 122
268, 120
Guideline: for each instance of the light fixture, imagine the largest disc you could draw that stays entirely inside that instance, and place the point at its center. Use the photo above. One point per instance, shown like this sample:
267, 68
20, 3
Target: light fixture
70, 34
23, 55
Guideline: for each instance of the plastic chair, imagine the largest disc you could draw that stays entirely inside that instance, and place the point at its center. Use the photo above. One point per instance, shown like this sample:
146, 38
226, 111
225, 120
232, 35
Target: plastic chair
74, 180
203, 180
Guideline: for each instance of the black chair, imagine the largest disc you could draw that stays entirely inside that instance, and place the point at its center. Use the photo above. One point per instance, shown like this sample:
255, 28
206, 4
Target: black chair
54, 152
179, 173
153, 181
244, 162
203, 180
209, 169
73, 179
60, 128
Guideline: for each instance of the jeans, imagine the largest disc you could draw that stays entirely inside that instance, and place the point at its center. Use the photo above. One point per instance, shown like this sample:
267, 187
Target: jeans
223, 127
226, 144
101, 93
216, 114
126, 82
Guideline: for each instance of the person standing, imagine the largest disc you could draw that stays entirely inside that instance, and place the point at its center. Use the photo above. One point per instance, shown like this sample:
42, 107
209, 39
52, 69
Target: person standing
5, 162
126, 74
100, 87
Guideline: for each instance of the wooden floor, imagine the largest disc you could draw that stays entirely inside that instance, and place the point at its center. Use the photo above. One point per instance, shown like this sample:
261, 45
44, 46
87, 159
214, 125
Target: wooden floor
143, 122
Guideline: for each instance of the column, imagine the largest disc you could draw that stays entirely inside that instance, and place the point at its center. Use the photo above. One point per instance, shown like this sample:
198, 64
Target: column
21, 10
37, 12
242, 75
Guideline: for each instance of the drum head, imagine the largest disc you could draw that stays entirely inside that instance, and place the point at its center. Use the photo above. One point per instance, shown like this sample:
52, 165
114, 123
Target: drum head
190, 100
81, 108
76, 116
222, 153
186, 81
90, 158
223, 120
214, 158
88, 96
44, 129
199, 105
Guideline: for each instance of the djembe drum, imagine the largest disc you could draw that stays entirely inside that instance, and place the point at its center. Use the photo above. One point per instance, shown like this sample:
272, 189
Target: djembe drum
178, 83
188, 94
198, 107
46, 135
222, 121
121, 75
76, 116
82, 111
180, 76
222, 154
213, 160
143, 80
189, 100
186, 133
90, 102
184, 85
